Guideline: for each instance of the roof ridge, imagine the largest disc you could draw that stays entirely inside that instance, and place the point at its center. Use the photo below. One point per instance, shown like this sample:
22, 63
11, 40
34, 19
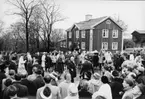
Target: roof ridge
91, 19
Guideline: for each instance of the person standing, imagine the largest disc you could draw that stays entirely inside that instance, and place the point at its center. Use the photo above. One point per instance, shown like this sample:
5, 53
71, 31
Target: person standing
64, 85
72, 68
60, 63
29, 63
48, 63
87, 69
21, 65
43, 60
96, 59
13, 64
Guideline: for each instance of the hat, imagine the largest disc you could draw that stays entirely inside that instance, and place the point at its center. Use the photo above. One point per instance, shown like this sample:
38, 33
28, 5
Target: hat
96, 75
115, 73
46, 93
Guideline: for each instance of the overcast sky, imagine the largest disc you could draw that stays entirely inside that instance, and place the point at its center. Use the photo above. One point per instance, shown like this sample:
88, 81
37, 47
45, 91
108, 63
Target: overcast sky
131, 12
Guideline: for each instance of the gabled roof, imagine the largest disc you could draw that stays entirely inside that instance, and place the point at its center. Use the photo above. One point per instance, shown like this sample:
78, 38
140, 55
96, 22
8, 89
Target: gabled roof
91, 23
140, 31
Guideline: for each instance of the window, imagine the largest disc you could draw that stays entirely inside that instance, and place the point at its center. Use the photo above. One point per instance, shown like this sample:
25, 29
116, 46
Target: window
83, 46
114, 45
105, 33
69, 34
83, 34
114, 33
105, 45
69, 44
108, 22
77, 34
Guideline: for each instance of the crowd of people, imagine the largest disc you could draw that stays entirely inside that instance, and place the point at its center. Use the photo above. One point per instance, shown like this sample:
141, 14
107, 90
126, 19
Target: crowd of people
72, 75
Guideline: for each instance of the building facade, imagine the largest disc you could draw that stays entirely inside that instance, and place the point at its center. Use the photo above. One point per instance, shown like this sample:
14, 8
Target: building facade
96, 34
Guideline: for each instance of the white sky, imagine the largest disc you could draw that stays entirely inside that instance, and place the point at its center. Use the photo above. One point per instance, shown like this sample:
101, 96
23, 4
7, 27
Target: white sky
131, 12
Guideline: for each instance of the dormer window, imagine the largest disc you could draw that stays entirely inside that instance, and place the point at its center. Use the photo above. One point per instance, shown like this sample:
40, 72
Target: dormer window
114, 33
105, 33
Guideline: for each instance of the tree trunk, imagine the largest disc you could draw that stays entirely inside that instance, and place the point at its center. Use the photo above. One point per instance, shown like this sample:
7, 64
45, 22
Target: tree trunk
37, 43
48, 43
27, 35
48, 37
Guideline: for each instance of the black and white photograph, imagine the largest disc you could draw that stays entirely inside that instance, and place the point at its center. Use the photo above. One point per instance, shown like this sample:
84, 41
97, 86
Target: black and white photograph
72, 49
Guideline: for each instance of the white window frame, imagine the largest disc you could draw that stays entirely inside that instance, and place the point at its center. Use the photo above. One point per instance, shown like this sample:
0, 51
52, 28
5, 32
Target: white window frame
83, 45
106, 32
83, 33
77, 33
70, 34
114, 45
114, 33
106, 47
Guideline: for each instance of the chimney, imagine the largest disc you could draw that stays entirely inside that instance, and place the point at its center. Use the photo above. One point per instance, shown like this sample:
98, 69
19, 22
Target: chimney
88, 17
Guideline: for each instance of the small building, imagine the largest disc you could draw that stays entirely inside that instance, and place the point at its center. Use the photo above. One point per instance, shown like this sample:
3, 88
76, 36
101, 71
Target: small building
62, 45
96, 34
138, 37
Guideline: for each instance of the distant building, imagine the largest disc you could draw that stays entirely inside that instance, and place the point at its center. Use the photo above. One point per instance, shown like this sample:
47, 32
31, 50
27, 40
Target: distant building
138, 36
62, 45
96, 34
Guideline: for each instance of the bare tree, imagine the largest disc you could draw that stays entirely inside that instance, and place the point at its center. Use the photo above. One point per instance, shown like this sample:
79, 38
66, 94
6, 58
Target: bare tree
121, 22
18, 31
26, 8
36, 20
51, 15
56, 35
7, 41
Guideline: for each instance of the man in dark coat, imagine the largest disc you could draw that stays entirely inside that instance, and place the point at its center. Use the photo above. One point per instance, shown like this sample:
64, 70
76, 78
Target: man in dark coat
38, 82
116, 85
22, 89
48, 63
96, 59
72, 68
13, 64
87, 69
